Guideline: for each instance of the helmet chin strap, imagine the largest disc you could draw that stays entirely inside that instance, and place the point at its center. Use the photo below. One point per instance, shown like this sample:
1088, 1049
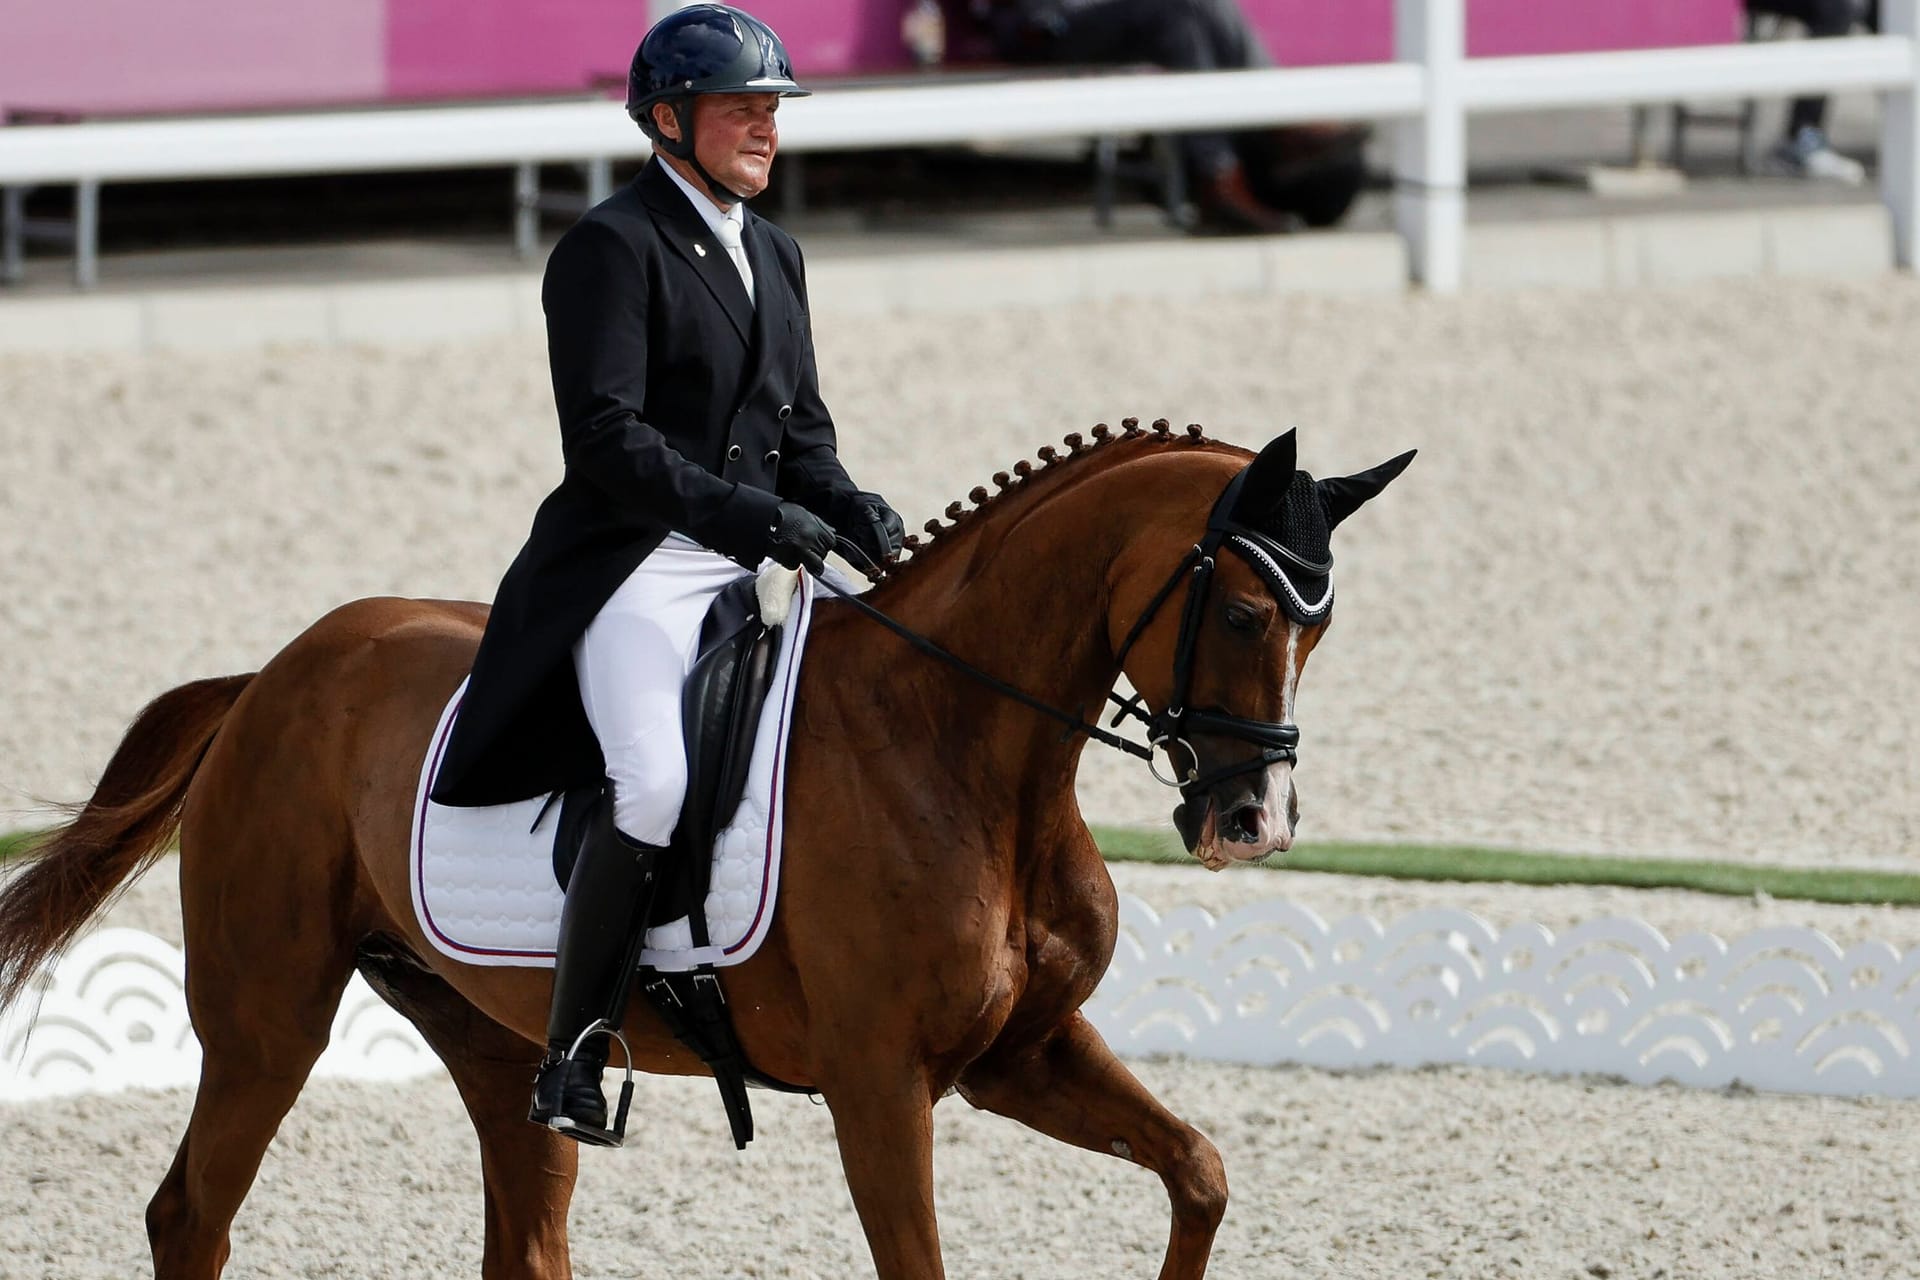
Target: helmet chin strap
681, 148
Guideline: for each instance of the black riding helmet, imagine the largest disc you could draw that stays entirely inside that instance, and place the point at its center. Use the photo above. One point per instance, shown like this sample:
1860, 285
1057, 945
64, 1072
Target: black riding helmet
704, 48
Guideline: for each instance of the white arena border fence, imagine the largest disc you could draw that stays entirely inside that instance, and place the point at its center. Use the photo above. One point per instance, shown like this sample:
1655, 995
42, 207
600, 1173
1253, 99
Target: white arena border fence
1782, 1009
1426, 96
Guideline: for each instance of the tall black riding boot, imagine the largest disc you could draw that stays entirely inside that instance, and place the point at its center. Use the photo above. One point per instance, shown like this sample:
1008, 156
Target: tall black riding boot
607, 898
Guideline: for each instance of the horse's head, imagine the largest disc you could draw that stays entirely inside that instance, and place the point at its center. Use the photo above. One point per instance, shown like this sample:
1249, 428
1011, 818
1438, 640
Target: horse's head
1216, 647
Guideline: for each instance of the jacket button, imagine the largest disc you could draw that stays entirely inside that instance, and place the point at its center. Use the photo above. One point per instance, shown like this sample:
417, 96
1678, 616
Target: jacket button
733, 454
786, 411
773, 456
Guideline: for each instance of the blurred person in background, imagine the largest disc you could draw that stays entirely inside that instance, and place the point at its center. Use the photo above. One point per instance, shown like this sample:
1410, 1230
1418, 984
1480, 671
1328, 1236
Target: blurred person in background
1258, 180
696, 446
1804, 151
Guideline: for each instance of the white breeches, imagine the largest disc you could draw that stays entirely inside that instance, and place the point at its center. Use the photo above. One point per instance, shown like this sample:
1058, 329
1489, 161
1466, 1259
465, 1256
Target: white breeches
632, 663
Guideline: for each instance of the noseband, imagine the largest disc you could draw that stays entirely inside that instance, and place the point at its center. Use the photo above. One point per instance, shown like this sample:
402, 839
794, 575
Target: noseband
1275, 742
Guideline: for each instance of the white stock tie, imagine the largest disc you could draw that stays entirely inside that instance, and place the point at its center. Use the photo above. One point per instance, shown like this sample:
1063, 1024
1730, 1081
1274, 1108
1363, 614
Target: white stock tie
728, 233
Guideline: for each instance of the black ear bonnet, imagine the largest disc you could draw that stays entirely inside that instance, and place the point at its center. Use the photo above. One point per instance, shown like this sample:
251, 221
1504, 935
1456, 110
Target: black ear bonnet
1281, 522
1284, 537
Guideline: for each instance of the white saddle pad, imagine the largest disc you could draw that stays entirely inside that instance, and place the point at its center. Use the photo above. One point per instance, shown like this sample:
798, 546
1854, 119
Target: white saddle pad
483, 883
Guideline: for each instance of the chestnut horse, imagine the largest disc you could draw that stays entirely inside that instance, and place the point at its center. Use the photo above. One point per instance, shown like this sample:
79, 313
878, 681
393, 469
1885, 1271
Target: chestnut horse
944, 911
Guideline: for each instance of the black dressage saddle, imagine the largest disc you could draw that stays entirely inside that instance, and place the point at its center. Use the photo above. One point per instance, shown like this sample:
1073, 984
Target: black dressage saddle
720, 715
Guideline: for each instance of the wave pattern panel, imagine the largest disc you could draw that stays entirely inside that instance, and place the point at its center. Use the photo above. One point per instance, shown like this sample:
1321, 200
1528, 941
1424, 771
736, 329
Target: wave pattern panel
1781, 1009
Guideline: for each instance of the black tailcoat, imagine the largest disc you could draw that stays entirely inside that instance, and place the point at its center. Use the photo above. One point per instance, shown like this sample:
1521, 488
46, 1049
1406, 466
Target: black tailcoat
683, 407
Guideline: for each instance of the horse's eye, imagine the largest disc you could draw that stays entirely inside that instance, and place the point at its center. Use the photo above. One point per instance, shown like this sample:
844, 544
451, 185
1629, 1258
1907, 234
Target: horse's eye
1242, 617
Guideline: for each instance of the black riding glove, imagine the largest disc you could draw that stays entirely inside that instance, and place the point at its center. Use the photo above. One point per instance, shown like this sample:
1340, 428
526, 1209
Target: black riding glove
798, 538
875, 528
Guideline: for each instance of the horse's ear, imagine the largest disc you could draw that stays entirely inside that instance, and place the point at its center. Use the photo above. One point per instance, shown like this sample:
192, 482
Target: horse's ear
1341, 496
1267, 478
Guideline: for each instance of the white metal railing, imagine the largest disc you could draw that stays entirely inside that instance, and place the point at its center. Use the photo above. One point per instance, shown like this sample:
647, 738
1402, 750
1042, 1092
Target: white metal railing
1427, 95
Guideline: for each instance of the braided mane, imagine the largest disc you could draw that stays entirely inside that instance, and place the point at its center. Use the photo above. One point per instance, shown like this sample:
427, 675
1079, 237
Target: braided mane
980, 500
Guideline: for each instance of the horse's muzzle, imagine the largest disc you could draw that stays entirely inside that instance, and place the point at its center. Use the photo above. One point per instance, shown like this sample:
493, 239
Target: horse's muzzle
1244, 819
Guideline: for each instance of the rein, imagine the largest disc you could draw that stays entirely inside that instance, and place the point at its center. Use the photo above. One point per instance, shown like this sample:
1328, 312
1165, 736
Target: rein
999, 686
1277, 741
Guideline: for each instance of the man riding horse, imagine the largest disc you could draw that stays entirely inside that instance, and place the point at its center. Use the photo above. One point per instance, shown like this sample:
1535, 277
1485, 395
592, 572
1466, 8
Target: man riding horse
696, 442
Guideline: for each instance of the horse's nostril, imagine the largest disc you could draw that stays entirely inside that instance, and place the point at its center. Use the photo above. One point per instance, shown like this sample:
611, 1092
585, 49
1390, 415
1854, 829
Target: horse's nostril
1243, 824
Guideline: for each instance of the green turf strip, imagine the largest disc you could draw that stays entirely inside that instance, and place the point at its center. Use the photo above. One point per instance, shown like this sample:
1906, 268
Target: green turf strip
1467, 863
12, 843
1461, 862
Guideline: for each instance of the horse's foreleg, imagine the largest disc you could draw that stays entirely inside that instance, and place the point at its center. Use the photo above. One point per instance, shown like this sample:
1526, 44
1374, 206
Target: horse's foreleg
883, 1121
528, 1170
1070, 1086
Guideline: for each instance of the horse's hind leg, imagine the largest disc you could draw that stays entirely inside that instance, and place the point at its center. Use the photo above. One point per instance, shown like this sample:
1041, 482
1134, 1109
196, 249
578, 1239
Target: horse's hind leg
1070, 1086
529, 1170
262, 1021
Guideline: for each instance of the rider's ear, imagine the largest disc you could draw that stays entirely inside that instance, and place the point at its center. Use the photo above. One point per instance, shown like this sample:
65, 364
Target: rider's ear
1341, 496
1267, 478
667, 120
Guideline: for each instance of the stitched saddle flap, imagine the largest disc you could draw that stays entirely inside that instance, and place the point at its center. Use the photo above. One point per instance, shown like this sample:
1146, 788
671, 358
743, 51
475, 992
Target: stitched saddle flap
720, 709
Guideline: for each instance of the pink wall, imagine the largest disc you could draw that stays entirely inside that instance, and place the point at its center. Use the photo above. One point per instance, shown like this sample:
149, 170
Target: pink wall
1496, 28
836, 37
1311, 33
1305, 33
471, 48
438, 48
106, 55
833, 37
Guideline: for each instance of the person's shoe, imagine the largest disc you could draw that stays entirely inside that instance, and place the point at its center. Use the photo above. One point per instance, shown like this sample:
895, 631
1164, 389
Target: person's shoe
1291, 149
1808, 154
1228, 204
1311, 171
567, 1099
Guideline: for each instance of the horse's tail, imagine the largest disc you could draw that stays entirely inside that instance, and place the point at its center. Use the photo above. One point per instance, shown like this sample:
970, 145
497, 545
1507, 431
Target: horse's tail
76, 869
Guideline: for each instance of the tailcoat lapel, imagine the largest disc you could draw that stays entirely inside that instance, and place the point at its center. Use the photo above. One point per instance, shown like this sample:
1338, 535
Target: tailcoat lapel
682, 227
771, 305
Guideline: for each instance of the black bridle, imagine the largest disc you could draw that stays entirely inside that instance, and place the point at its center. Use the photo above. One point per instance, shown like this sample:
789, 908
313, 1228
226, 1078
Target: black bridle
1275, 742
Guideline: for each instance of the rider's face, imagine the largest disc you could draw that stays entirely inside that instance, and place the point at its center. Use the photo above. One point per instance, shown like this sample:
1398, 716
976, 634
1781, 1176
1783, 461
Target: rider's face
734, 137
